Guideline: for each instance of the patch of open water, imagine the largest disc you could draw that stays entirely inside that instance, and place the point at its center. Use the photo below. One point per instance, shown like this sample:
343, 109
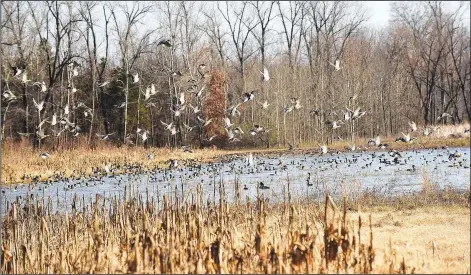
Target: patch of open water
340, 173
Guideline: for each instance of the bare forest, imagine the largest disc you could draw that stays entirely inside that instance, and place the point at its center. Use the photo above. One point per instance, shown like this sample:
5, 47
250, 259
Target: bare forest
230, 74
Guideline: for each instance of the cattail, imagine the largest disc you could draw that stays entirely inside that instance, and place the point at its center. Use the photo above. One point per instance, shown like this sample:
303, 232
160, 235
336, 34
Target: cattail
185, 235
434, 248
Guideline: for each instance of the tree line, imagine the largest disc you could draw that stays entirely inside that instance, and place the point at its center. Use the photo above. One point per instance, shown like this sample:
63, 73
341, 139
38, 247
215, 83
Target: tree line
231, 74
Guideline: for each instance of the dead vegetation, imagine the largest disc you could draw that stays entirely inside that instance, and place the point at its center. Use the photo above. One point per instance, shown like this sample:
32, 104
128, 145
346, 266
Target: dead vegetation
18, 160
138, 233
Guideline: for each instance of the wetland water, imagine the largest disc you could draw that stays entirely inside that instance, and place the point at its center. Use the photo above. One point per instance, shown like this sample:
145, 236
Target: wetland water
347, 172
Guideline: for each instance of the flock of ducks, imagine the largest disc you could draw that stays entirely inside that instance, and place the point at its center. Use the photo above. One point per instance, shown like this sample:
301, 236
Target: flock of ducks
251, 166
234, 133
61, 119
311, 170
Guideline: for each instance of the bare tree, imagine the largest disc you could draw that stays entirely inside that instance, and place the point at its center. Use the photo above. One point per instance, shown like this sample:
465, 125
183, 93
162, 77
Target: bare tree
96, 71
212, 27
265, 16
459, 71
264, 12
190, 33
240, 29
126, 35
329, 28
14, 23
171, 21
56, 45
291, 23
427, 51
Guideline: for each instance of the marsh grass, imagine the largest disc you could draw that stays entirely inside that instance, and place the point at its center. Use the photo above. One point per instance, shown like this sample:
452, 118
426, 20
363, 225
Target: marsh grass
138, 233
19, 160
451, 131
185, 237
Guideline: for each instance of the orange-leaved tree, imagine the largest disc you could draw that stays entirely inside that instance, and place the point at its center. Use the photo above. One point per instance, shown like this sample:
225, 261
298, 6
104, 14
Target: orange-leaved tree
214, 106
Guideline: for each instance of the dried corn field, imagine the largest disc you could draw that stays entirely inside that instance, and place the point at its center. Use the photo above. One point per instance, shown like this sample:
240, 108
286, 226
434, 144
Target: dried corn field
137, 234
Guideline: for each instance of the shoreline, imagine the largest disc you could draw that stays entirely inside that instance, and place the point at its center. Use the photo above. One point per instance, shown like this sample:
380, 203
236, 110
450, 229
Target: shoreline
80, 163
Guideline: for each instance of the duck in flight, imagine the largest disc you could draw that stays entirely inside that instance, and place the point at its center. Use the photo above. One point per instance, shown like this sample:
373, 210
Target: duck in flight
337, 65
104, 137
265, 74
165, 42
264, 105
249, 96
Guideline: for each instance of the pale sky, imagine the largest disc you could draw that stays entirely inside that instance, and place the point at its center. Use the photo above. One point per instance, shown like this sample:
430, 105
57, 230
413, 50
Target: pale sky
379, 12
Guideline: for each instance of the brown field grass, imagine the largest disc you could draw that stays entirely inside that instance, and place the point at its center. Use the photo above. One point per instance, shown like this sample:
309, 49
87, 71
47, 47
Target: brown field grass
444, 136
432, 239
19, 159
445, 131
133, 236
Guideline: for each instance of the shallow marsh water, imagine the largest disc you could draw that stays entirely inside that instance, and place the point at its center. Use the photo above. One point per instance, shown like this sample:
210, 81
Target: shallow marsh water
338, 173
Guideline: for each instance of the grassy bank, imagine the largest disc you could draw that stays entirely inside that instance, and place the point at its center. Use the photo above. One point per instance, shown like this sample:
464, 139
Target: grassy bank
20, 161
371, 234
